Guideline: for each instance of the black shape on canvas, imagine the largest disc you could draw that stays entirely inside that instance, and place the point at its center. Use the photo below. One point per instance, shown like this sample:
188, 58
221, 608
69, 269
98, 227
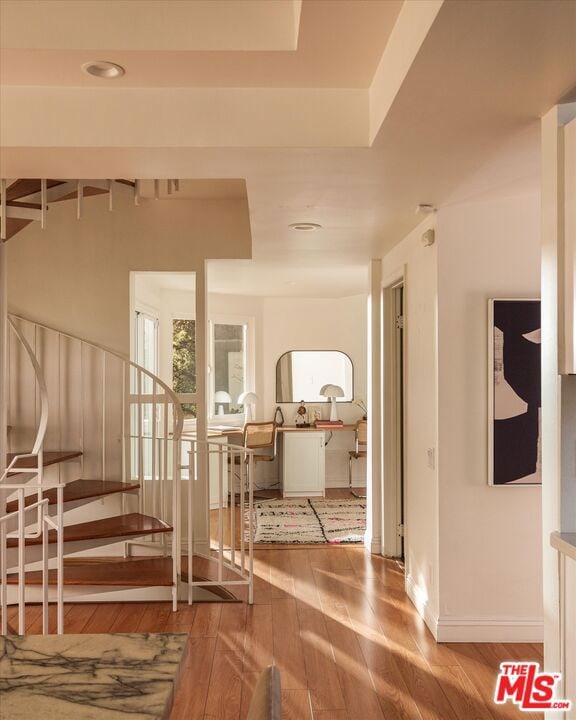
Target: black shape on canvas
515, 447
521, 357
516, 438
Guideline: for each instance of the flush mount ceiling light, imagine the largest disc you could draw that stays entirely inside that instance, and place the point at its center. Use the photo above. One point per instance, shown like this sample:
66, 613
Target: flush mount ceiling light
103, 69
425, 209
305, 226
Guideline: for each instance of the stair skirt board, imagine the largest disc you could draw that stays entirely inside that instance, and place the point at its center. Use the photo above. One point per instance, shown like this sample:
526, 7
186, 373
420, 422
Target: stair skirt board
103, 594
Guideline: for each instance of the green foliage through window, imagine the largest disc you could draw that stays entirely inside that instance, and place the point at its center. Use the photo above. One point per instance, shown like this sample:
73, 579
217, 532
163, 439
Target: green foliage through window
184, 361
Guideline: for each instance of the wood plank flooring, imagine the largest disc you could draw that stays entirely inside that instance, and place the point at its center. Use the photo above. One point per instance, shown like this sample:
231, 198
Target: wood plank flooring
337, 623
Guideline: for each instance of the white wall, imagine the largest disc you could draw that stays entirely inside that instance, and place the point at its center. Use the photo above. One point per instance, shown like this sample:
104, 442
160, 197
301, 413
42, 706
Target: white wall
418, 264
473, 552
318, 324
75, 274
490, 541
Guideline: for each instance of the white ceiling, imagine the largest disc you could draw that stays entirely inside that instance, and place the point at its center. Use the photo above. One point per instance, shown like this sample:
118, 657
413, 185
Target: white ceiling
461, 119
156, 281
335, 44
226, 25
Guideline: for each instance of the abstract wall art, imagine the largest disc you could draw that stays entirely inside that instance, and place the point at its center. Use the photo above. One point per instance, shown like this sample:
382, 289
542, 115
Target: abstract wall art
514, 401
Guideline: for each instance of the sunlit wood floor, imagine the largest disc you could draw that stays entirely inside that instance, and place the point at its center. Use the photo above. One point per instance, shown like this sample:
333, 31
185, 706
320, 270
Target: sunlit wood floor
337, 623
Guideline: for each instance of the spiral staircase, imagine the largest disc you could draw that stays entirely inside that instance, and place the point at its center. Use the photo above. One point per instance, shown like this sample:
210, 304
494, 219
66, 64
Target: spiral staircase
102, 498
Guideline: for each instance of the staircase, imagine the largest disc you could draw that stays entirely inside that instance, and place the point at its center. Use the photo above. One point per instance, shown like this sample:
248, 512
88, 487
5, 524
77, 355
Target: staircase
27, 200
105, 520
102, 499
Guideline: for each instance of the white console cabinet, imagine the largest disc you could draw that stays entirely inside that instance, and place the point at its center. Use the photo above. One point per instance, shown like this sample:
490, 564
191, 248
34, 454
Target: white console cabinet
303, 463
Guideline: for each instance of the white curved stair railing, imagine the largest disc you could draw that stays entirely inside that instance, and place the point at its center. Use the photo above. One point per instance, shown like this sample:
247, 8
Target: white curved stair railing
33, 470
121, 423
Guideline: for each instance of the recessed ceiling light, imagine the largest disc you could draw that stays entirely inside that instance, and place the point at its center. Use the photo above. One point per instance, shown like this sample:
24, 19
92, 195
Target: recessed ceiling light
103, 69
305, 226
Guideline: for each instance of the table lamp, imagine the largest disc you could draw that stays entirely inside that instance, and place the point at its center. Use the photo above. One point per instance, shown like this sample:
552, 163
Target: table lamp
248, 399
221, 397
332, 392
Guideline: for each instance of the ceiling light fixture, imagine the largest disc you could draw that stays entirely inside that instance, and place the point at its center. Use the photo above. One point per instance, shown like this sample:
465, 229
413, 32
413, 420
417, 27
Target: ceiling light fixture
103, 69
425, 209
305, 226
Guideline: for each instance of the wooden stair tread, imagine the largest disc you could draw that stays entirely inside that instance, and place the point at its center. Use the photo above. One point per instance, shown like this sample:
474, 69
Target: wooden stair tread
28, 186
50, 457
129, 525
19, 204
145, 572
118, 572
78, 490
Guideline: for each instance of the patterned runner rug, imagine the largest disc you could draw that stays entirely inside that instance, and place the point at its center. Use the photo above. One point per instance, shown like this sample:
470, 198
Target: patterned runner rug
310, 520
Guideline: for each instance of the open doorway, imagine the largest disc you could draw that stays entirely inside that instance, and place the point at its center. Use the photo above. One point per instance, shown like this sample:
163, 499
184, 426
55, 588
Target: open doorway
394, 388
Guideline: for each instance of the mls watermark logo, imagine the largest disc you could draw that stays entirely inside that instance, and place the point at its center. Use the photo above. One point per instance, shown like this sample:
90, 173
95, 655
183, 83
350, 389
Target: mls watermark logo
524, 685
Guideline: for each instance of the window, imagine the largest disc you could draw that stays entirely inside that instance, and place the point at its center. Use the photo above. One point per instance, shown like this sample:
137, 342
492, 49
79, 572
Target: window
146, 355
146, 344
231, 362
229, 350
184, 362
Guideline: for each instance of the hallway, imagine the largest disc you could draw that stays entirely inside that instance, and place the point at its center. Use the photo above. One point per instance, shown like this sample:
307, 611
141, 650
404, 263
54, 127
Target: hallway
336, 621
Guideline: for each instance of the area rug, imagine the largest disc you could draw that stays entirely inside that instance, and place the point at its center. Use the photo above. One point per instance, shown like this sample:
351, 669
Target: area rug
310, 520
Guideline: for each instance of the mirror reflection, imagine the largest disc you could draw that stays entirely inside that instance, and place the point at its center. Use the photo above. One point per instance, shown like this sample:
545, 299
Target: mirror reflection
301, 375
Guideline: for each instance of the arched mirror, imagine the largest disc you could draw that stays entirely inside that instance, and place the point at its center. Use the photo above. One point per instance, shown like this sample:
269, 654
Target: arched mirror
301, 374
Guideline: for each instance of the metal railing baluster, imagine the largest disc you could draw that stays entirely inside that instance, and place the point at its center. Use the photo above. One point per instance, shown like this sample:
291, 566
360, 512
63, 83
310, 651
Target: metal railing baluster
45, 570
220, 512
103, 410
21, 564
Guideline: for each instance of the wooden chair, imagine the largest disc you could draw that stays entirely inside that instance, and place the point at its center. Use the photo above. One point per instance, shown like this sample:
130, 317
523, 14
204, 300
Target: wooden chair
266, 703
259, 436
360, 451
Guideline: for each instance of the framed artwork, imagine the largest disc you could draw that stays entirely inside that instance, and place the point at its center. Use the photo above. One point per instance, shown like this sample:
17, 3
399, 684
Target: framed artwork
514, 393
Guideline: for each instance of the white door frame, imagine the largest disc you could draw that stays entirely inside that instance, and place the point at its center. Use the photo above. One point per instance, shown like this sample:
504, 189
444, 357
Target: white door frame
4, 330
394, 418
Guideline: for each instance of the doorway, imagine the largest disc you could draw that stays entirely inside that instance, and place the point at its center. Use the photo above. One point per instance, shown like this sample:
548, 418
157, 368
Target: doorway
394, 392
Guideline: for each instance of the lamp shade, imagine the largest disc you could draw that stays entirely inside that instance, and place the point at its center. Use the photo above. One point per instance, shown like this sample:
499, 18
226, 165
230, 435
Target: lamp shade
331, 391
221, 396
248, 398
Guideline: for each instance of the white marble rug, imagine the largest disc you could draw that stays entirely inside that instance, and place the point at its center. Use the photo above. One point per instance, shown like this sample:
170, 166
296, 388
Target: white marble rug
310, 520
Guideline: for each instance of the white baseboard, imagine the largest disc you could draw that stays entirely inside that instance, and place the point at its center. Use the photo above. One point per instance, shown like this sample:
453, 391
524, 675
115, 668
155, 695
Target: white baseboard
493, 630
373, 544
331, 483
480, 630
343, 483
419, 599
